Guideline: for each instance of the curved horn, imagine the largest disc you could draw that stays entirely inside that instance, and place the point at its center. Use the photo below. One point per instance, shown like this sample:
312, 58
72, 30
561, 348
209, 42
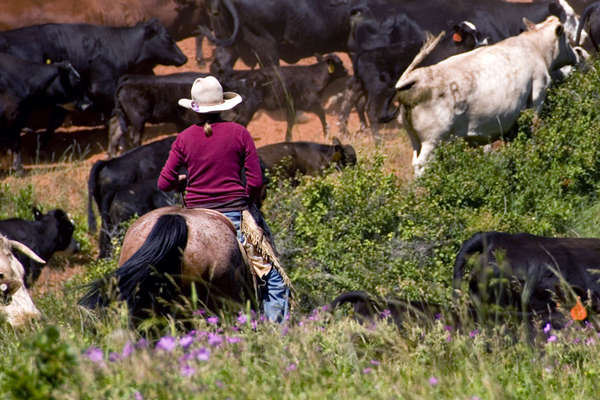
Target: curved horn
26, 250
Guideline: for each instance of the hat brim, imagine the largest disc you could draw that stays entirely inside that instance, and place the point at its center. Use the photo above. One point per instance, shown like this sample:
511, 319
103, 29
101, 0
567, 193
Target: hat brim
230, 100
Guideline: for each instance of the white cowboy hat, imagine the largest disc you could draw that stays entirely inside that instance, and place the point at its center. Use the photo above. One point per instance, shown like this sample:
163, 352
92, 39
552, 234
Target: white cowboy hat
208, 97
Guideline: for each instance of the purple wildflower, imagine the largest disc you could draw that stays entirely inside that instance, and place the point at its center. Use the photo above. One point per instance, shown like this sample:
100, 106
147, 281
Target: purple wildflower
576, 340
186, 341
199, 312
385, 314
212, 320
202, 354
438, 316
449, 338
114, 356
367, 370
95, 355
138, 396
433, 381
141, 343
127, 350
219, 384
325, 308
253, 324
187, 371
374, 362
234, 339
547, 328
285, 330
448, 328
589, 341
242, 319
551, 339
474, 333
166, 343
214, 339
291, 367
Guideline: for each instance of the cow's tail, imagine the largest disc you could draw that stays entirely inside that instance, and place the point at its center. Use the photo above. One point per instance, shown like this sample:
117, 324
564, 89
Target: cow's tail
150, 273
92, 179
582, 21
236, 27
473, 245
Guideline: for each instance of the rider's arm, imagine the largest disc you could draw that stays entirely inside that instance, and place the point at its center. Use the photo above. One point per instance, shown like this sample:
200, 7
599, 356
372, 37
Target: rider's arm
169, 175
254, 179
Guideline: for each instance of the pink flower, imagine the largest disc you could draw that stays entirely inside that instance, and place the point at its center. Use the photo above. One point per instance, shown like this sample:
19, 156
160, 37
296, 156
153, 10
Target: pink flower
186, 341
367, 370
138, 396
474, 333
95, 355
234, 339
385, 314
127, 350
242, 319
212, 320
433, 381
547, 328
214, 340
166, 343
375, 362
202, 354
552, 339
114, 356
187, 371
291, 367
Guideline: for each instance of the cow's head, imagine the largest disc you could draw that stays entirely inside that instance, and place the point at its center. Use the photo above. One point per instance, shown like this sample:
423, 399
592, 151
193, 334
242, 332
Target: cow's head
158, 46
343, 155
15, 303
552, 41
64, 226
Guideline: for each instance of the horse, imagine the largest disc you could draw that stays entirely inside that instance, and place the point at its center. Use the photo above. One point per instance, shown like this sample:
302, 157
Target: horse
167, 251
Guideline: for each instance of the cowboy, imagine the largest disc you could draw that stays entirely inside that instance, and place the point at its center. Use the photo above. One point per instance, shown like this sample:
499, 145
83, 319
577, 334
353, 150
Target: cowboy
214, 153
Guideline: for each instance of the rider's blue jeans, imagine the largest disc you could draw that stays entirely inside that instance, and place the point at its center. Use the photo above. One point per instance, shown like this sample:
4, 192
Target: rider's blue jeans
274, 295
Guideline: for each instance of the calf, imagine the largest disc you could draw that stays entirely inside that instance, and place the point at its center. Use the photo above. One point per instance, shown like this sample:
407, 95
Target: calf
307, 158
148, 98
478, 95
27, 86
15, 302
109, 177
295, 88
47, 234
528, 272
369, 309
135, 200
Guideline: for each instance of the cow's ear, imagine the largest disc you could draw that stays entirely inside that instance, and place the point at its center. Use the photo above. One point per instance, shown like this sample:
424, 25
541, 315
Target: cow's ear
37, 214
335, 141
151, 27
528, 24
560, 30
330, 66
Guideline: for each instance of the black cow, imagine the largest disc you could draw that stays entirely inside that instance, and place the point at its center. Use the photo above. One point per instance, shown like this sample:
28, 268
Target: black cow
294, 88
148, 98
47, 234
264, 32
100, 54
26, 87
529, 273
109, 177
307, 158
591, 19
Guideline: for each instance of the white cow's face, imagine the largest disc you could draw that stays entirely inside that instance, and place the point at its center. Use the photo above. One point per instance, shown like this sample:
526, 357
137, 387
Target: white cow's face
15, 302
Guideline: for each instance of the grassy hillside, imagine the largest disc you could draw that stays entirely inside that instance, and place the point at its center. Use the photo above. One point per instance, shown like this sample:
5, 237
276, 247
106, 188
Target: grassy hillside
360, 228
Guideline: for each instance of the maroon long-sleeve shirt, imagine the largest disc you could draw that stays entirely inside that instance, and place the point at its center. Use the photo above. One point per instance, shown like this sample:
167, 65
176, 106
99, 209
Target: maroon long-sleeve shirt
214, 167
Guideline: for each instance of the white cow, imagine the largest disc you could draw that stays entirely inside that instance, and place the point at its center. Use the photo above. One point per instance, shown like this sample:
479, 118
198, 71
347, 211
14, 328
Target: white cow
15, 303
479, 94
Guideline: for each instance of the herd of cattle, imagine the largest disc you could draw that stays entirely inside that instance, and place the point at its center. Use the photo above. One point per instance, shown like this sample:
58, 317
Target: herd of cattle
488, 61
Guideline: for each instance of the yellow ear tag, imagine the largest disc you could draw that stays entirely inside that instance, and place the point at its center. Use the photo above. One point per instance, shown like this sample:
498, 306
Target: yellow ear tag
48, 61
330, 68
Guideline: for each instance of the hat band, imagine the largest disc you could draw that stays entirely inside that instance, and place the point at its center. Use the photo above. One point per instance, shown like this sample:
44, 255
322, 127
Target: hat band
196, 107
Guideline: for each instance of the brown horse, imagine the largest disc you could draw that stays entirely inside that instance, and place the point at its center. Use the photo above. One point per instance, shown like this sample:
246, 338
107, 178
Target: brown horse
168, 249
